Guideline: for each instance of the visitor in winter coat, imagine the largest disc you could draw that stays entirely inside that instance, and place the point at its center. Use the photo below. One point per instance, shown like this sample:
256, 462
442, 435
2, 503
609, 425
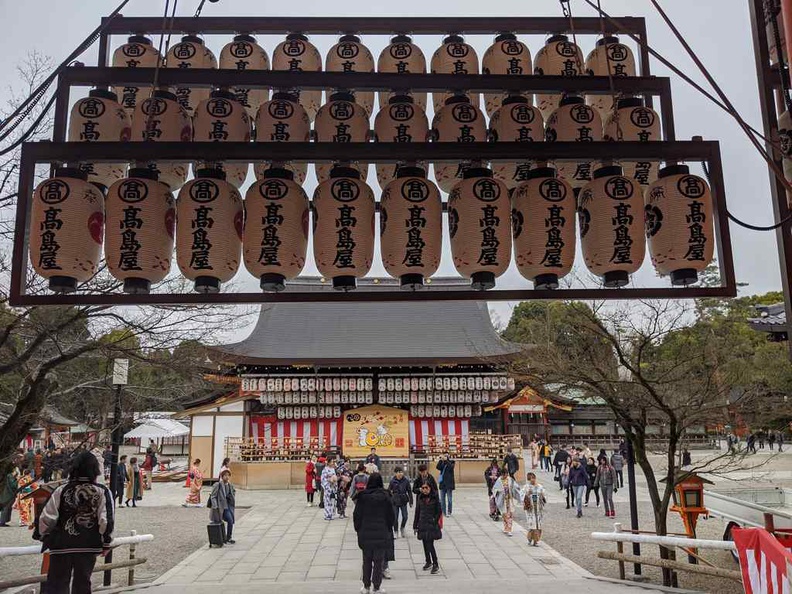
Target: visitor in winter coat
591, 471
426, 524
359, 481
424, 478
511, 462
446, 483
606, 481
617, 461
373, 520
310, 480
401, 494
578, 479
561, 457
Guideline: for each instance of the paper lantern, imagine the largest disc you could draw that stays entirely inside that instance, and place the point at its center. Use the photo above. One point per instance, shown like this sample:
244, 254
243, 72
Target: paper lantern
543, 227
454, 57
138, 52
479, 223
349, 55
574, 121
221, 118
400, 121
785, 141
610, 215
296, 53
679, 224
191, 53
209, 230
243, 53
506, 55
141, 217
411, 228
276, 229
399, 56
99, 118
608, 55
458, 121
66, 229
161, 119
558, 57
632, 121
282, 119
343, 243
515, 121
341, 120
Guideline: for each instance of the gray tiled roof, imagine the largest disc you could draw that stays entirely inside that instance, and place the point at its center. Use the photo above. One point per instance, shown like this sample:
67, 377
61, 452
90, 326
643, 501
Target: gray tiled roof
372, 333
772, 318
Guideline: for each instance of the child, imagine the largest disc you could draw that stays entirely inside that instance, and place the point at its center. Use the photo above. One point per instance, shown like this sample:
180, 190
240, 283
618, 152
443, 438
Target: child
426, 524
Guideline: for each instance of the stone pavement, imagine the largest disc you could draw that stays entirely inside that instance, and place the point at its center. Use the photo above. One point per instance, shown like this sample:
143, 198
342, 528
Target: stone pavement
282, 544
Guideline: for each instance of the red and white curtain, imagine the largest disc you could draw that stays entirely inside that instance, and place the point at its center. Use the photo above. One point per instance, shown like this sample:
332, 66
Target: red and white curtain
421, 429
268, 427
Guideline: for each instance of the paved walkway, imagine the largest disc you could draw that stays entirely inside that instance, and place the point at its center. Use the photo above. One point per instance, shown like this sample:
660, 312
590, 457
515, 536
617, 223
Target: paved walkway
282, 542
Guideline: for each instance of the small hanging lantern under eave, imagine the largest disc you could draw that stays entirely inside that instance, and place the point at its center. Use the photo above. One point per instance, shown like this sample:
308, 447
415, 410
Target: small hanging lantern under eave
609, 54
341, 120
349, 55
99, 118
221, 118
402, 56
543, 227
610, 215
243, 53
210, 220
160, 118
141, 218
137, 52
282, 119
400, 121
785, 143
297, 54
574, 121
411, 227
515, 121
276, 229
507, 55
343, 239
558, 57
633, 121
679, 224
454, 57
66, 229
458, 121
191, 53
479, 223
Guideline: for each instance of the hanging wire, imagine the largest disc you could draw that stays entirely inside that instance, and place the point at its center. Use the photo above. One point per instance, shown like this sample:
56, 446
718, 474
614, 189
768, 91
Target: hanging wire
566, 8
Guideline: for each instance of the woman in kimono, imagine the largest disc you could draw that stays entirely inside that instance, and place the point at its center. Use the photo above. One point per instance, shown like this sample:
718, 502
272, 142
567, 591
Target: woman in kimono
507, 496
25, 485
196, 482
344, 475
329, 488
491, 475
134, 484
533, 502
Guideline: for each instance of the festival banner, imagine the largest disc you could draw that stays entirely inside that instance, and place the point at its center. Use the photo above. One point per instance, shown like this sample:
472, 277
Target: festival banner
765, 564
381, 427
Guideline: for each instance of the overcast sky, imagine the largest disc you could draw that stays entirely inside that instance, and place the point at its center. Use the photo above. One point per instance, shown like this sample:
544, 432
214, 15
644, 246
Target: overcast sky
719, 30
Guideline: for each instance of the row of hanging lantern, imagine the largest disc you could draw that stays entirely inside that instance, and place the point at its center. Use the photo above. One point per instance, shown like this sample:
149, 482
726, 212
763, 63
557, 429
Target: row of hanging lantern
446, 411
309, 412
307, 384
437, 396
316, 397
506, 55
212, 236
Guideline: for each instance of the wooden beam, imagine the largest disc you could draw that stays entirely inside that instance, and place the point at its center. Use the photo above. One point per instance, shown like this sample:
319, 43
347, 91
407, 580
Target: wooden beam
675, 565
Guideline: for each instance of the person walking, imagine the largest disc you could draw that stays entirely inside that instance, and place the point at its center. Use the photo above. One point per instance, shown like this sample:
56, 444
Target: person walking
23, 504
507, 495
319, 467
359, 481
344, 475
511, 462
76, 526
446, 483
222, 500
424, 478
373, 520
606, 481
310, 480
591, 472
617, 461
133, 487
687, 461
578, 479
559, 461
374, 459
427, 524
8, 495
491, 475
752, 440
402, 495
329, 488
196, 482
780, 441
545, 459
534, 500
121, 475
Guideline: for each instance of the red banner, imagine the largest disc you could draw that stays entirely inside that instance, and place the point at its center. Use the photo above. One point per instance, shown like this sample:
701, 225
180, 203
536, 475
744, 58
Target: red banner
765, 564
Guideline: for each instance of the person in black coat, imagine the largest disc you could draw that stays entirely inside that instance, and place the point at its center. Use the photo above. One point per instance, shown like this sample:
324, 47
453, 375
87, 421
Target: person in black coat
511, 463
374, 520
427, 524
446, 483
424, 477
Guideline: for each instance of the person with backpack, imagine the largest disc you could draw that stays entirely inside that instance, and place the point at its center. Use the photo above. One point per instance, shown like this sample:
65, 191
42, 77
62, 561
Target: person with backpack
222, 501
374, 521
401, 494
76, 526
359, 481
446, 483
427, 524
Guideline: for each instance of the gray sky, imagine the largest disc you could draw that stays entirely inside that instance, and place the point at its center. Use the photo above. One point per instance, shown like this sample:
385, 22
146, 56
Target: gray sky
719, 30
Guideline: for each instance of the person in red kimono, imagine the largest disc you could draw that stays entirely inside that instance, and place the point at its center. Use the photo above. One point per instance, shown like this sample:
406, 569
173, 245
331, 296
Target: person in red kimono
310, 480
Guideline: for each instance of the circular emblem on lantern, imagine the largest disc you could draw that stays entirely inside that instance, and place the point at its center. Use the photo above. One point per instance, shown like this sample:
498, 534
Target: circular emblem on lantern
522, 114
342, 110
294, 47
457, 50
347, 50
653, 217
566, 49
401, 112
415, 190
618, 52
280, 110
582, 114
273, 189
552, 190
691, 186
344, 190
219, 107
184, 51
642, 117
400, 51
204, 190
133, 50
132, 191
486, 190
511, 47
619, 187
464, 113
241, 49
91, 108
54, 191
154, 106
